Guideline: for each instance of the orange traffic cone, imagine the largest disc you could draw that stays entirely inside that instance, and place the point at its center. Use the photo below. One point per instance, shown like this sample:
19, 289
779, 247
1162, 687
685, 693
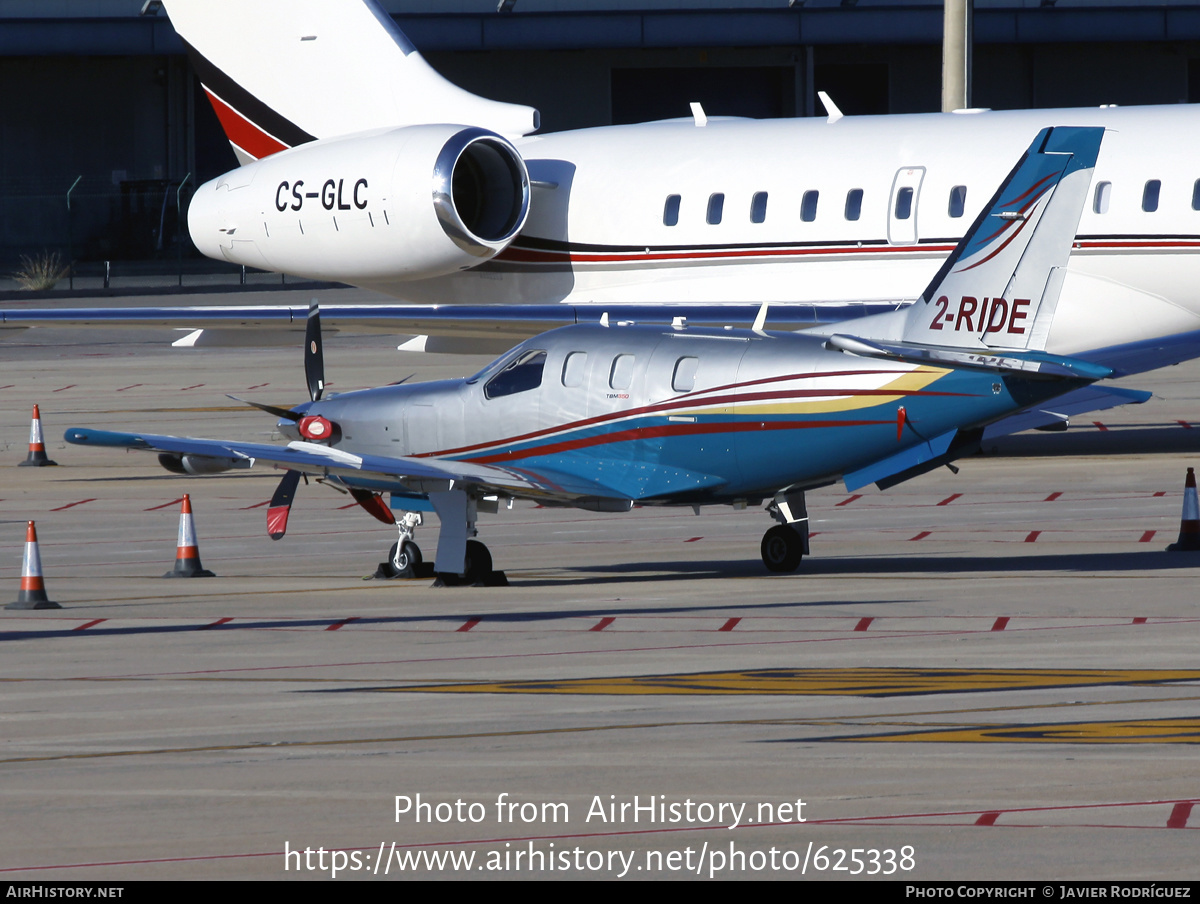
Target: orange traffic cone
33, 591
37, 449
1189, 523
187, 552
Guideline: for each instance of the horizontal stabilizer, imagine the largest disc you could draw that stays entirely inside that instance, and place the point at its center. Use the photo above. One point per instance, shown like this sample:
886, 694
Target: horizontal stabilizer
1081, 401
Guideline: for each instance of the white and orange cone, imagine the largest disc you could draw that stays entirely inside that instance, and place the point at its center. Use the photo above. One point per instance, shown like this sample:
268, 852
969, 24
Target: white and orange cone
37, 457
33, 590
1189, 523
187, 551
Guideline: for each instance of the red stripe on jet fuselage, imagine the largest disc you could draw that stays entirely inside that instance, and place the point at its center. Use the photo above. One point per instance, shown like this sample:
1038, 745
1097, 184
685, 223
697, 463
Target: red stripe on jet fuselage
242, 132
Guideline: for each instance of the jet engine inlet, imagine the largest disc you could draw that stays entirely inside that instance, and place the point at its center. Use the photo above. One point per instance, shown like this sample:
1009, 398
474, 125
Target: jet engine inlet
480, 191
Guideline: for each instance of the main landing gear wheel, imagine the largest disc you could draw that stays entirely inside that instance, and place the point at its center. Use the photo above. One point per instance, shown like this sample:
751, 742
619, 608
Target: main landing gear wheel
479, 563
782, 549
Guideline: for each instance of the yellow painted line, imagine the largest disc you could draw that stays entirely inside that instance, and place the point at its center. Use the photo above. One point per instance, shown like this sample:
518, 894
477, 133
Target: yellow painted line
1140, 731
858, 682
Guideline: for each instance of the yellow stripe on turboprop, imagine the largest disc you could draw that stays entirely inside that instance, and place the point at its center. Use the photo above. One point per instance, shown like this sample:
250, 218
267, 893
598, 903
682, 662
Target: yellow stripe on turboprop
867, 682
1141, 731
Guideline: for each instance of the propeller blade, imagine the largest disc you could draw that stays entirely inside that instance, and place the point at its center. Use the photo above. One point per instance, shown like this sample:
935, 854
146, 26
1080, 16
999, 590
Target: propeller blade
314, 359
281, 505
374, 505
269, 409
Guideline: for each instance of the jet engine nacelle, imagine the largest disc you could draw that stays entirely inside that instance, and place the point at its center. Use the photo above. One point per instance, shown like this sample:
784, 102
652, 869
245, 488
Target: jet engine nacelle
409, 203
178, 463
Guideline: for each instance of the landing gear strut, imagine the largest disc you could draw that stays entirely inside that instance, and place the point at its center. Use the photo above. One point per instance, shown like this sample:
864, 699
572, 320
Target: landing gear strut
461, 559
404, 559
785, 544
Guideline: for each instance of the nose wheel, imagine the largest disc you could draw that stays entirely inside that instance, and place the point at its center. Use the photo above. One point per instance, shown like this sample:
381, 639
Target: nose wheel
782, 549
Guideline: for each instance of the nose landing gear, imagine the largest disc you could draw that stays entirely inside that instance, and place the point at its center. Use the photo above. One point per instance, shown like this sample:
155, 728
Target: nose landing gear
785, 544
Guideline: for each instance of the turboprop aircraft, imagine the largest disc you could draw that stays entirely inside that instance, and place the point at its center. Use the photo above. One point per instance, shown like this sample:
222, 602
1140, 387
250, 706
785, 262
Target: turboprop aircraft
363, 165
605, 416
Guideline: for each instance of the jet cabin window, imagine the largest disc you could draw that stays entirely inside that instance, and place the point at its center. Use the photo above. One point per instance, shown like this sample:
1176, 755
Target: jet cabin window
808, 206
574, 368
758, 207
684, 378
958, 201
1101, 198
716, 204
854, 204
621, 374
1196, 195
904, 203
523, 374
1150, 195
671, 211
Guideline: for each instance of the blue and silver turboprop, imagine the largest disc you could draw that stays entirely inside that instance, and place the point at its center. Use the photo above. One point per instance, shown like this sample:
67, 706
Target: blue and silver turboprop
606, 416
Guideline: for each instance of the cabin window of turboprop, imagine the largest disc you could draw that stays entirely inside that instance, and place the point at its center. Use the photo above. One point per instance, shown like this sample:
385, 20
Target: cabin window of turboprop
1101, 198
1196, 195
521, 375
958, 201
904, 203
854, 204
808, 206
758, 207
671, 211
621, 374
684, 378
574, 368
1150, 195
716, 204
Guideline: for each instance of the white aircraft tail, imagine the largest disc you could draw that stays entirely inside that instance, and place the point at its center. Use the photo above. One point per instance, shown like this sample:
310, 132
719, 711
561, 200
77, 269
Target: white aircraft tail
999, 288
284, 72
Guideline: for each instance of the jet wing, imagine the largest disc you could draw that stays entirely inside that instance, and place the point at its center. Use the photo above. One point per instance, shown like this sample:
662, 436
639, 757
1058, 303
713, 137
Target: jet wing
419, 475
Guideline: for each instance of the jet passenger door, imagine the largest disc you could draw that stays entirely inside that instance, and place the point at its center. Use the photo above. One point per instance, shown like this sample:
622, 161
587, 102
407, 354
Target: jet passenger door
902, 206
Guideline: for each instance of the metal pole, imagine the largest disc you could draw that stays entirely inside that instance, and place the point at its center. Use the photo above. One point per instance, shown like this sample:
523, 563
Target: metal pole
957, 38
179, 225
71, 236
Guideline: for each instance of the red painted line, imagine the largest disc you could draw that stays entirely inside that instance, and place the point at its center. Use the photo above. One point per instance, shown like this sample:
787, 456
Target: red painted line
922, 535
1001, 623
1161, 493
848, 501
988, 819
467, 625
603, 623
1184, 424
692, 539
351, 505
247, 508
9, 386
1099, 426
1033, 535
1147, 536
1139, 621
186, 388
131, 386
164, 505
220, 621
729, 625
258, 386
91, 624
62, 388
342, 623
864, 623
1051, 497
950, 498
70, 504
1179, 815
